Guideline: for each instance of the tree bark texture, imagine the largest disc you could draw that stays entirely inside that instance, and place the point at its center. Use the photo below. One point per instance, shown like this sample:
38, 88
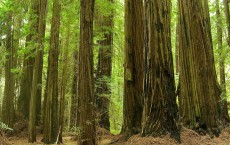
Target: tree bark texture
199, 94
51, 124
35, 101
64, 80
160, 108
8, 110
86, 99
134, 62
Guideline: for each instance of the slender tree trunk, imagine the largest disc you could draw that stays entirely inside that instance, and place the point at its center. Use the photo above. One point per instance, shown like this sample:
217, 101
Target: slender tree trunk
199, 101
227, 17
64, 81
134, 74
51, 124
219, 25
16, 44
222, 64
35, 101
1, 99
177, 49
41, 29
85, 77
74, 97
1, 87
8, 111
160, 109
104, 69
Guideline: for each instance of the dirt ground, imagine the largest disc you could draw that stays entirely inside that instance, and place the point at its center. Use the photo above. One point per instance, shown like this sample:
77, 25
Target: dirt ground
188, 137
24, 141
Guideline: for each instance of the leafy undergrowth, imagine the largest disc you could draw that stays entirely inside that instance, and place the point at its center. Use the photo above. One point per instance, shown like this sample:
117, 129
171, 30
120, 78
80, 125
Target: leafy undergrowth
188, 137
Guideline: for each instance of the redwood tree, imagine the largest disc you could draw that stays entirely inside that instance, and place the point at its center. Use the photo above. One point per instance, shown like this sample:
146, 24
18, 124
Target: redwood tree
8, 110
74, 95
104, 67
222, 62
134, 71
64, 79
199, 94
51, 119
86, 100
28, 62
160, 109
35, 101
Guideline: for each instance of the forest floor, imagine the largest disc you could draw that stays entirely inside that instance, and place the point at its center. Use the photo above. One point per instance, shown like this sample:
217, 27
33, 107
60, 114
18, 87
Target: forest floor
188, 137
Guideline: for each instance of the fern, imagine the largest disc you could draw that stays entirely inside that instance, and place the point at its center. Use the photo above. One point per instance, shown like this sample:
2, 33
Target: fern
4, 127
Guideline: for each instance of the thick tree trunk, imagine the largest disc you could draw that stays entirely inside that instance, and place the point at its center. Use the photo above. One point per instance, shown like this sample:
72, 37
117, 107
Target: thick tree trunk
8, 111
25, 86
51, 124
199, 94
35, 102
134, 62
104, 69
160, 109
86, 99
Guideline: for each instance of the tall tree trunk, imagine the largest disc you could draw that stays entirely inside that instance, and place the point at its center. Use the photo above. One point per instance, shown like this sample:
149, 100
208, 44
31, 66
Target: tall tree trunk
85, 77
35, 101
104, 69
74, 97
41, 29
16, 44
160, 108
8, 111
199, 93
51, 124
134, 74
222, 64
64, 76
28, 62
219, 25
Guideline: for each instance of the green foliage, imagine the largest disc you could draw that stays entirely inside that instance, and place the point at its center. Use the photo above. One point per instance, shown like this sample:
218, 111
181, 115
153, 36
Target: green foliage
117, 79
4, 127
225, 48
76, 130
70, 19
